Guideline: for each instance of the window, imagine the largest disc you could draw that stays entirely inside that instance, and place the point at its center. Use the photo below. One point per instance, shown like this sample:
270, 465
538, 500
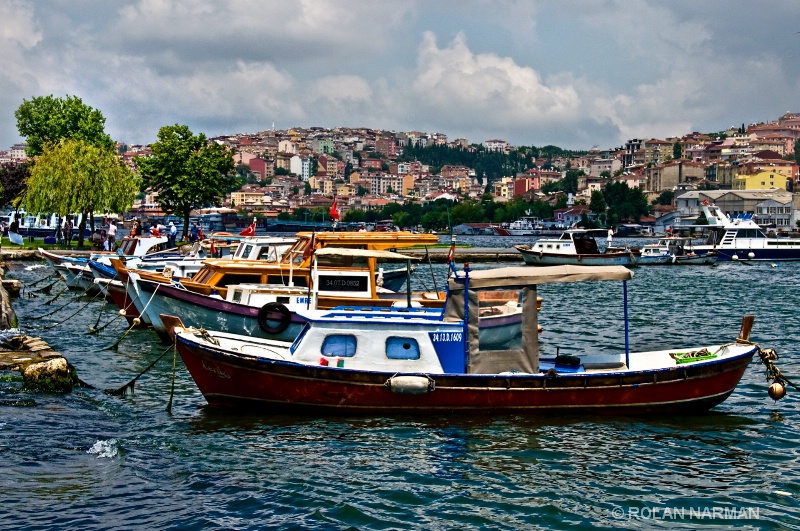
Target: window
339, 345
402, 348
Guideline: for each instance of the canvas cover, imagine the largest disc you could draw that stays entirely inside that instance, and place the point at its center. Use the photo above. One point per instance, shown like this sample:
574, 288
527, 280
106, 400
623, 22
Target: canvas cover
526, 358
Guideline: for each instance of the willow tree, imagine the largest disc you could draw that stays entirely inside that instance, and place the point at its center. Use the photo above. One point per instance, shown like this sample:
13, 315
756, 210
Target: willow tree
187, 172
76, 176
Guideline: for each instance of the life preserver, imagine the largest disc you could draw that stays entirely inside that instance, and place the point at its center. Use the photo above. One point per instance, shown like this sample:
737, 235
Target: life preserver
266, 324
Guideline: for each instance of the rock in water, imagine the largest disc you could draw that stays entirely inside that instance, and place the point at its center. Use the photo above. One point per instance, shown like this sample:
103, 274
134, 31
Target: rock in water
54, 376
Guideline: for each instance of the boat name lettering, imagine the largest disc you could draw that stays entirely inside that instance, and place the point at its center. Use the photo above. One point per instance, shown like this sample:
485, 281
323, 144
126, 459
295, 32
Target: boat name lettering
446, 336
301, 300
216, 370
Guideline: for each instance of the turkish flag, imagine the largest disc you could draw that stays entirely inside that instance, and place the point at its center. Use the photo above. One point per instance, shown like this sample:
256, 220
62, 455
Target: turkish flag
250, 230
334, 213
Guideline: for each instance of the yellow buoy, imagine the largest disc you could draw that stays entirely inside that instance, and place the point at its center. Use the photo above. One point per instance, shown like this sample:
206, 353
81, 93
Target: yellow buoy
122, 313
776, 391
137, 321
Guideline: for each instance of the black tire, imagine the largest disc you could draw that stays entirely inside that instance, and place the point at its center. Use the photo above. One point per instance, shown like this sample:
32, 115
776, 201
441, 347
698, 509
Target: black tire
267, 324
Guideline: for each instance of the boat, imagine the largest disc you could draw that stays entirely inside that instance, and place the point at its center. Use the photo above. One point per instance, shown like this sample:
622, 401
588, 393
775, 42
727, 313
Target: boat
739, 237
524, 226
379, 361
275, 311
575, 247
674, 250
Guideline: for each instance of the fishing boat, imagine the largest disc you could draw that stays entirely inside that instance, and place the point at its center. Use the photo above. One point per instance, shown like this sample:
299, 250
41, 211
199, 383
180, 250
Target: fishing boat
575, 247
739, 237
674, 250
382, 361
275, 311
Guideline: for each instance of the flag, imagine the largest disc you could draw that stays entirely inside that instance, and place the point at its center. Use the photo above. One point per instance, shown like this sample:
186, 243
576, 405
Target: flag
334, 213
213, 248
249, 230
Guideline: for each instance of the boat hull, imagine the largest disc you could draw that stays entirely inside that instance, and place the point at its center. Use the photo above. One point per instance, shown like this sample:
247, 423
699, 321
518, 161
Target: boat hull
227, 379
548, 259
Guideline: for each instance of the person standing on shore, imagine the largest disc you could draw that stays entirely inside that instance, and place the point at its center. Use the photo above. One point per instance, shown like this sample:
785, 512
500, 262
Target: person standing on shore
112, 234
173, 233
68, 230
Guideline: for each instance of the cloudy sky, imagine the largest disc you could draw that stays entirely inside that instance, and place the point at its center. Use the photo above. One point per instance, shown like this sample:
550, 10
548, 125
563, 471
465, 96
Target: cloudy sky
572, 73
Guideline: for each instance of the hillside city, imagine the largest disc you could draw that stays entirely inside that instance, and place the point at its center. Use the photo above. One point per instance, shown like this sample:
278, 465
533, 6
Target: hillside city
747, 169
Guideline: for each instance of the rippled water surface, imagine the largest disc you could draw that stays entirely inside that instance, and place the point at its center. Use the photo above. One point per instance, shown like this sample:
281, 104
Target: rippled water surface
88, 460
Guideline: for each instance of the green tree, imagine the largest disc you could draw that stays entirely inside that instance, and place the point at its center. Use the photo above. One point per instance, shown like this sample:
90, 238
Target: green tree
187, 172
598, 202
76, 176
677, 150
47, 120
665, 198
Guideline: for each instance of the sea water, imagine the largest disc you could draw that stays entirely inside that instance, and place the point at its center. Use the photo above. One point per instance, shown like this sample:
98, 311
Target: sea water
88, 460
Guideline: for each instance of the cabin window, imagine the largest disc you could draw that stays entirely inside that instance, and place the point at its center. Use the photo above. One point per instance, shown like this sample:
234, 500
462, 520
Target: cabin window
229, 280
339, 345
237, 296
245, 252
402, 348
299, 338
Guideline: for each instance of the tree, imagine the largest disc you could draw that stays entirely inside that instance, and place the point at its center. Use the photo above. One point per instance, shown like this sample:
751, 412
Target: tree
76, 176
12, 181
665, 198
597, 202
797, 150
677, 150
187, 172
47, 120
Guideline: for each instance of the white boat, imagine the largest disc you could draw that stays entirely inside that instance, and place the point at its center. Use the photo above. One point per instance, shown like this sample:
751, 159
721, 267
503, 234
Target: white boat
741, 238
524, 226
575, 247
675, 250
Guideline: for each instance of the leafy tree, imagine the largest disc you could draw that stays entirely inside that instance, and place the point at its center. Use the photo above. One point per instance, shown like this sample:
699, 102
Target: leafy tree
46, 119
76, 176
307, 188
665, 198
281, 171
677, 150
797, 150
12, 181
598, 202
187, 171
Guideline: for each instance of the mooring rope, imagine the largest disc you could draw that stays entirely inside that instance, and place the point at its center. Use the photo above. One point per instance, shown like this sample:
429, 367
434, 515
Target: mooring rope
115, 345
768, 358
130, 385
65, 305
74, 314
172, 386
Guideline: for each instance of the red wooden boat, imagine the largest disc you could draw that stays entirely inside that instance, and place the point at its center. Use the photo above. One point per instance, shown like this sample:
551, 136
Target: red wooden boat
420, 361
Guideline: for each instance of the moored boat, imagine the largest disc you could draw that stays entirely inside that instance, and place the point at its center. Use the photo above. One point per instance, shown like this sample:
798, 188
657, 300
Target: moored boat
575, 247
413, 361
739, 237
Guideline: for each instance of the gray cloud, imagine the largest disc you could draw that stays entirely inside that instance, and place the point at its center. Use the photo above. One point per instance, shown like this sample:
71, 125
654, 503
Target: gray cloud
574, 73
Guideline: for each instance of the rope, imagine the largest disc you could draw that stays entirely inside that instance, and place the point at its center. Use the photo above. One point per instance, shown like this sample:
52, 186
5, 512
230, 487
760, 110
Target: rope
65, 305
172, 387
122, 390
74, 314
768, 358
115, 344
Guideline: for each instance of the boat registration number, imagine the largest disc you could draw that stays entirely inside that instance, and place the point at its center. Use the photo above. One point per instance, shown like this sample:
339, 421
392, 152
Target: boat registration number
446, 336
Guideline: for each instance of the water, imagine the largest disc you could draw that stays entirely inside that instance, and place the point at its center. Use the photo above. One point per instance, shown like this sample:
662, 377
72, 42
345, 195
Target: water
88, 460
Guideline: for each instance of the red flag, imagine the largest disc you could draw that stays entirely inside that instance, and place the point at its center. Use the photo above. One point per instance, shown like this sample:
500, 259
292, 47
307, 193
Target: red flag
334, 213
213, 248
249, 230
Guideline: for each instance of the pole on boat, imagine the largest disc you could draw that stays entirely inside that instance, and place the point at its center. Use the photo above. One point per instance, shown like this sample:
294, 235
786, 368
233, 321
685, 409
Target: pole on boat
466, 316
408, 284
625, 316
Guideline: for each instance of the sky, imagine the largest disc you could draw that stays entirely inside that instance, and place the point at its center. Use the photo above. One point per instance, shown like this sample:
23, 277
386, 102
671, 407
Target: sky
571, 73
